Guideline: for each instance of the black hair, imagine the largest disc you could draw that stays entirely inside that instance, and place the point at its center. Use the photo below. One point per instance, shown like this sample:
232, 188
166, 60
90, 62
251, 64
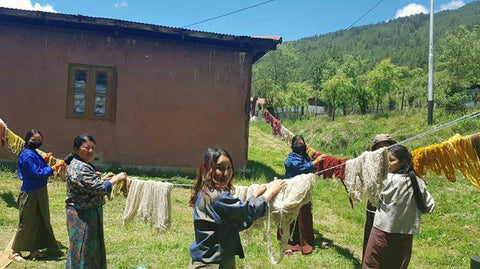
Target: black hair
206, 170
77, 143
29, 135
403, 155
299, 137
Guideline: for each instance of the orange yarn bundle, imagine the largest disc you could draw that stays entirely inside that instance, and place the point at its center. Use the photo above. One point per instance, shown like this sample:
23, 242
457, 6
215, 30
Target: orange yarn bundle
458, 153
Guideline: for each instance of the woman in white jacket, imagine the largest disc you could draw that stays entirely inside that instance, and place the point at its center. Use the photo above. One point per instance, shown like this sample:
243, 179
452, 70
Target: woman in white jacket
403, 200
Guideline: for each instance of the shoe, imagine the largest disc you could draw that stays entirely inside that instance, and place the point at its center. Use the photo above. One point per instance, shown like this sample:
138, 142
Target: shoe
288, 252
16, 257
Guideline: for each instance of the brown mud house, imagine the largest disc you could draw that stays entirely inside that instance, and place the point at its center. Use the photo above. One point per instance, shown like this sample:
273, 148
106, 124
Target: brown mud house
150, 95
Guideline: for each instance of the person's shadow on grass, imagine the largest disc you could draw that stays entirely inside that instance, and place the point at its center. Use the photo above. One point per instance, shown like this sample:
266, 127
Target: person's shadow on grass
9, 199
324, 243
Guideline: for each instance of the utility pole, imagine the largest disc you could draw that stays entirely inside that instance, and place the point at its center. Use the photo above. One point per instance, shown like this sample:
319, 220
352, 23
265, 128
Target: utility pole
430, 68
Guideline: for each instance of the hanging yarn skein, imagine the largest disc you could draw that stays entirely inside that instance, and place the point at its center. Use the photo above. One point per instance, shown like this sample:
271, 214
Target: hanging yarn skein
364, 175
15, 144
284, 208
457, 153
151, 200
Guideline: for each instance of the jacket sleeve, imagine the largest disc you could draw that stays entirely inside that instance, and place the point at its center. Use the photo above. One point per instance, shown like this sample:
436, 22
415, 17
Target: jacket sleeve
238, 213
33, 169
298, 165
427, 198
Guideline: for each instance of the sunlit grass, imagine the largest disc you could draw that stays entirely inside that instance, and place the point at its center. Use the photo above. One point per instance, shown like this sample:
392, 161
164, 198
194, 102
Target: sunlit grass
448, 238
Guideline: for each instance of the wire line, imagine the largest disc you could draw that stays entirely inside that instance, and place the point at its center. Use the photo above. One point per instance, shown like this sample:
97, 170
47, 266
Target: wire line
230, 13
365, 14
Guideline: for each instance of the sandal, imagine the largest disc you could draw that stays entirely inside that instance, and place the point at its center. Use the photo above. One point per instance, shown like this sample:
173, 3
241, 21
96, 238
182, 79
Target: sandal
16, 257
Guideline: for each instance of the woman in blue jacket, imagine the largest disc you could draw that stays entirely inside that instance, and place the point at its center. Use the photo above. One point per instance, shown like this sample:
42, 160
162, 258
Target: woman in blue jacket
298, 163
34, 230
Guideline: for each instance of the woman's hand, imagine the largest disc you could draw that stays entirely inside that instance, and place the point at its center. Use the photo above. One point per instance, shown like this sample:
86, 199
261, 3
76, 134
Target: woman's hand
58, 165
108, 176
318, 159
47, 156
260, 190
122, 176
274, 188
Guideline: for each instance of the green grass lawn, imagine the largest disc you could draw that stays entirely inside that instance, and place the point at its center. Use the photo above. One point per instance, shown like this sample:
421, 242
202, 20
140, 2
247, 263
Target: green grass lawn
448, 238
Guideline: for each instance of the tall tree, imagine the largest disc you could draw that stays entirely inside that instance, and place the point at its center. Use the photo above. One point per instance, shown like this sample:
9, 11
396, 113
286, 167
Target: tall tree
335, 90
382, 80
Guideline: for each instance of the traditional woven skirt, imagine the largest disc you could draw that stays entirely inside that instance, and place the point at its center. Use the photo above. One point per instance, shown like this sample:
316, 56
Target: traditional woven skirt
34, 230
370, 217
388, 250
87, 243
302, 238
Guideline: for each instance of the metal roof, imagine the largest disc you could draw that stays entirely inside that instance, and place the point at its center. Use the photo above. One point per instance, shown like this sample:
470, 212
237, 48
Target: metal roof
258, 46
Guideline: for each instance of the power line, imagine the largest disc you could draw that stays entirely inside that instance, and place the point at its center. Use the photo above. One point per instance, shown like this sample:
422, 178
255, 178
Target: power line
365, 14
230, 13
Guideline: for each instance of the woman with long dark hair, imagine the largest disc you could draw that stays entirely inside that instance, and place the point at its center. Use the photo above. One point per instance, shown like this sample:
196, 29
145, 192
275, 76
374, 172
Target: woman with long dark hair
218, 216
34, 229
404, 199
86, 192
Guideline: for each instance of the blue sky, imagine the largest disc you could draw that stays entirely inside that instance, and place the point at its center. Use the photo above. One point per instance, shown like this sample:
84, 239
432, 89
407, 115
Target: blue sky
290, 19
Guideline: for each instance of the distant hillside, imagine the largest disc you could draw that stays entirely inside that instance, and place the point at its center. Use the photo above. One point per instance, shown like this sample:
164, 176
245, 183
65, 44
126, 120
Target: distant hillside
404, 40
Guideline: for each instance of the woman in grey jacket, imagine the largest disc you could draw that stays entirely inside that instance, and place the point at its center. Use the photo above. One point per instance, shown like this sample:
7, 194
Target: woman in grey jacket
403, 200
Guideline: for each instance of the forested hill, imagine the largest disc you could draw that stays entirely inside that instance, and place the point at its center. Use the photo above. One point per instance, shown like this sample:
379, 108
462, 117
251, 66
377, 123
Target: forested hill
358, 69
404, 40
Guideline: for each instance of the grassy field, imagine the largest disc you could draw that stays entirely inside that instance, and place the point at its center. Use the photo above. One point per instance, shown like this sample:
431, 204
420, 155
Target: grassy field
448, 238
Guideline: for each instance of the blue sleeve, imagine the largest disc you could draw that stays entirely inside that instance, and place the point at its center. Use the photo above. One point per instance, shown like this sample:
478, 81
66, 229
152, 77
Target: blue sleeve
34, 167
296, 165
108, 184
236, 212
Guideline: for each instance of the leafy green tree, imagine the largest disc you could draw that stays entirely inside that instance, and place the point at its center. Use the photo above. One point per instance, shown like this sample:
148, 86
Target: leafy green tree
460, 56
382, 80
335, 90
460, 63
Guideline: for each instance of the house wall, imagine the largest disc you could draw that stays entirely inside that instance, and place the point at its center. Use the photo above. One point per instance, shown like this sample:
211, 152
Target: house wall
173, 99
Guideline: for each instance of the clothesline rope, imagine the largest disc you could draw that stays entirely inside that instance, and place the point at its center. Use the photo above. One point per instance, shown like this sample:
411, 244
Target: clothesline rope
433, 130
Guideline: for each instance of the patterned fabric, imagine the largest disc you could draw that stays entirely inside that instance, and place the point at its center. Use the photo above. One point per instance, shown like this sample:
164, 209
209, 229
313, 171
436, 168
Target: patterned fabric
85, 188
217, 219
32, 170
34, 229
87, 243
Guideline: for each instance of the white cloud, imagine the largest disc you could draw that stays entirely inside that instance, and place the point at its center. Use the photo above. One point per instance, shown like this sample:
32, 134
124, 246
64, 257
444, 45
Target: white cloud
411, 9
26, 4
122, 3
452, 5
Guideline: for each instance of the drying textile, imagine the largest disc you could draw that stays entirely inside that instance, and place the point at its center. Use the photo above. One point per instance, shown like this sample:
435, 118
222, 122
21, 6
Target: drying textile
151, 200
365, 174
285, 207
16, 144
457, 153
